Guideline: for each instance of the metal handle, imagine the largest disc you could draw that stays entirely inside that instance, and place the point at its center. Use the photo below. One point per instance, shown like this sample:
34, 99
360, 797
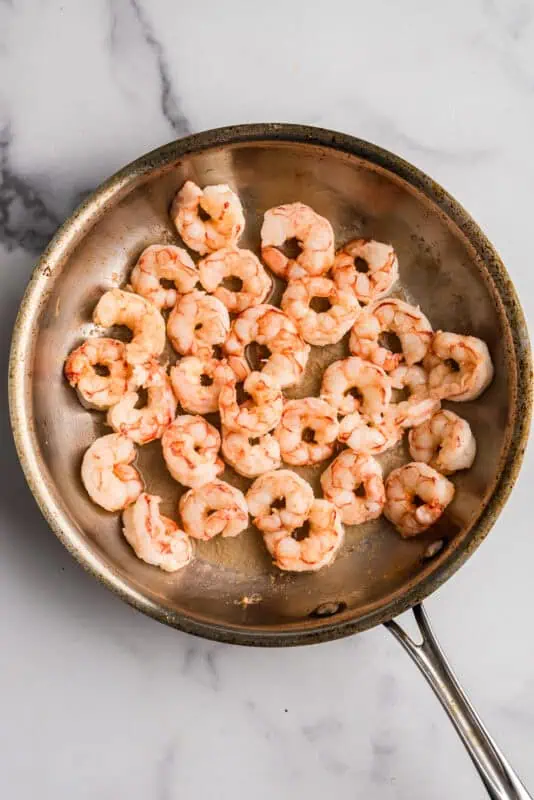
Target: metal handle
498, 777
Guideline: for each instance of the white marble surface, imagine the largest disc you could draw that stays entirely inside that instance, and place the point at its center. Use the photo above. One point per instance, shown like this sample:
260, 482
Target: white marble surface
98, 701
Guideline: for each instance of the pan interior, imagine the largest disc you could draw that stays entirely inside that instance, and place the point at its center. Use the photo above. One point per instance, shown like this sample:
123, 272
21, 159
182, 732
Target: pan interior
232, 583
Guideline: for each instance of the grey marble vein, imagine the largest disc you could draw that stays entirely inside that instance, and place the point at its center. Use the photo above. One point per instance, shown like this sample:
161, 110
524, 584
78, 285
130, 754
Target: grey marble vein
25, 219
165, 772
170, 102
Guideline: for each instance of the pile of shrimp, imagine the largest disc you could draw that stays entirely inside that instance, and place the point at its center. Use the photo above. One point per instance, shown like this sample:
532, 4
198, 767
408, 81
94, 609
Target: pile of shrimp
193, 311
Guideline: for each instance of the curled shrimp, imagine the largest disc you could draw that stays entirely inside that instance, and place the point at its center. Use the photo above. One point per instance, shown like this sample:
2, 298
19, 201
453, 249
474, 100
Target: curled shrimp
279, 501
317, 549
245, 268
214, 509
460, 367
190, 448
163, 262
368, 436
416, 496
117, 307
256, 416
445, 441
367, 268
197, 323
197, 382
108, 475
325, 327
95, 390
420, 405
143, 425
372, 385
270, 328
307, 431
226, 220
313, 233
250, 456
347, 474
154, 538
407, 322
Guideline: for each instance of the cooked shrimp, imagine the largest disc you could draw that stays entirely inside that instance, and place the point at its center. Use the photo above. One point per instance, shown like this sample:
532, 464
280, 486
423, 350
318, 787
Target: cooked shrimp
313, 233
348, 473
271, 328
445, 441
372, 385
226, 221
213, 509
460, 367
108, 475
320, 328
369, 436
143, 425
416, 496
256, 416
245, 268
163, 262
420, 405
250, 456
117, 307
379, 269
95, 390
197, 382
407, 322
307, 431
190, 448
154, 538
279, 501
197, 323
317, 549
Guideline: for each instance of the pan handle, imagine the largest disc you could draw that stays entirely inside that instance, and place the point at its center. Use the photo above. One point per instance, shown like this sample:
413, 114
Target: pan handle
498, 777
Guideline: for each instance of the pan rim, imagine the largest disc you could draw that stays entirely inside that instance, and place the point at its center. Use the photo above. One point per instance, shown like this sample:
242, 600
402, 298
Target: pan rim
118, 185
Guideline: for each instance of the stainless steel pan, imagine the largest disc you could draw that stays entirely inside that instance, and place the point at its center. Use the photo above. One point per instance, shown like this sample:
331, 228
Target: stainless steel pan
231, 592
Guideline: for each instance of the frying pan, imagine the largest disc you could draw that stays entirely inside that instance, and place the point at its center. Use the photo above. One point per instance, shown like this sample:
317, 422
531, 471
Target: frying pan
231, 592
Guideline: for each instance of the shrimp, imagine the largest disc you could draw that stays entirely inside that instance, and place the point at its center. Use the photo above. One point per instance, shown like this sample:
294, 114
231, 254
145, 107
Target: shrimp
408, 323
197, 382
117, 307
257, 416
460, 367
143, 425
271, 328
197, 323
163, 262
226, 220
420, 405
190, 448
242, 265
379, 269
108, 475
307, 431
313, 233
372, 385
345, 475
250, 456
416, 496
95, 390
279, 501
213, 509
369, 436
317, 549
320, 328
154, 538
445, 441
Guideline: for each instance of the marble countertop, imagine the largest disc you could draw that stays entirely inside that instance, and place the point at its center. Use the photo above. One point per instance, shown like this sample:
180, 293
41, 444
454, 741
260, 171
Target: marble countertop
99, 701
